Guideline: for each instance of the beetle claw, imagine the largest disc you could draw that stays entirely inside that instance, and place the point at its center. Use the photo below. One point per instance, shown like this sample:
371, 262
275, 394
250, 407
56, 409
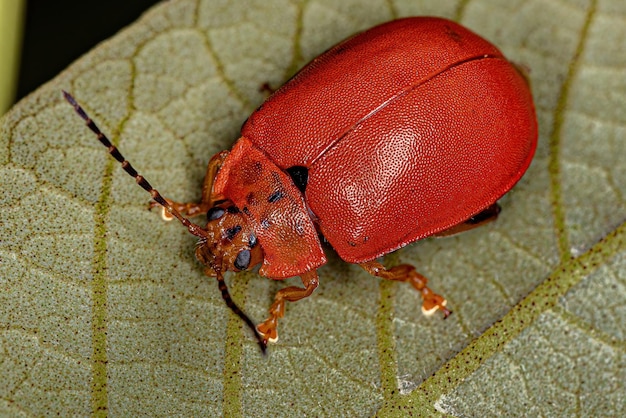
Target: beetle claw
271, 340
166, 216
432, 305
268, 331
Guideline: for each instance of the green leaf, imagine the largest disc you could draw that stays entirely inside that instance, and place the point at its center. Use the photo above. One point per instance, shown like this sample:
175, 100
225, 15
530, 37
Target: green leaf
104, 310
11, 22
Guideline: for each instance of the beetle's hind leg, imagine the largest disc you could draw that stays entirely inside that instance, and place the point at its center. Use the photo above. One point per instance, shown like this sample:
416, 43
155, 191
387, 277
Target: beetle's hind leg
207, 200
291, 294
489, 214
407, 273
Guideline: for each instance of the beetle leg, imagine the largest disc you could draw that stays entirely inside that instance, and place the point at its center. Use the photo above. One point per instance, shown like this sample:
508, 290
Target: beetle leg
489, 214
277, 310
407, 273
207, 200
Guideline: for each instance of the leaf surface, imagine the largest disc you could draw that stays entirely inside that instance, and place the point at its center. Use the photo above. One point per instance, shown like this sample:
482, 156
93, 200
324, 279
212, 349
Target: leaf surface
103, 308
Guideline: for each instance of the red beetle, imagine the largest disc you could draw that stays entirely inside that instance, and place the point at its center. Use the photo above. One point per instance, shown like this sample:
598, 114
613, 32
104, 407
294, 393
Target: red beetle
411, 129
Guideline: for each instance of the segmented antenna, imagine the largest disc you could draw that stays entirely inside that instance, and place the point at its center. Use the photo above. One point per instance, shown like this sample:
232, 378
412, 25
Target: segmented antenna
156, 196
229, 302
193, 228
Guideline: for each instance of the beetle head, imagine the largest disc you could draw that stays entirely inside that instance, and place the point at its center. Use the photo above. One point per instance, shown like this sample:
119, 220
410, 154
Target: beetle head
227, 242
230, 242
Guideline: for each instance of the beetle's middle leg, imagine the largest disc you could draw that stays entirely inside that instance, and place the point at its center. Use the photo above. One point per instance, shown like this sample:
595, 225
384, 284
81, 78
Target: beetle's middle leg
291, 294
407, 273
207, 200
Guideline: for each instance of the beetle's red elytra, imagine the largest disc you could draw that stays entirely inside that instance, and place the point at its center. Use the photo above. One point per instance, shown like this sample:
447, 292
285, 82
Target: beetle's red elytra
410, 129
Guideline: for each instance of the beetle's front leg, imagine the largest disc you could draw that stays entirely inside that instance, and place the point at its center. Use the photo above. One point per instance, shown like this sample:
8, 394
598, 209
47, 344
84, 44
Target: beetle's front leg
292, 294
207, 200
407, 273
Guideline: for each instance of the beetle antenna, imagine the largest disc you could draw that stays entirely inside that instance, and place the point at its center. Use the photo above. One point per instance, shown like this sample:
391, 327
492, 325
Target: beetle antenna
233, 307
156, 196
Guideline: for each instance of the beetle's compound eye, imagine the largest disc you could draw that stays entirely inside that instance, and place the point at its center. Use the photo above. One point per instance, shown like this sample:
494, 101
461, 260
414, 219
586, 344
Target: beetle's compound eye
243, 260
215, 213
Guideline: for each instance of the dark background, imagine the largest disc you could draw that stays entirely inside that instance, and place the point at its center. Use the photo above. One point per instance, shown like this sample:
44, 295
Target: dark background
57, 32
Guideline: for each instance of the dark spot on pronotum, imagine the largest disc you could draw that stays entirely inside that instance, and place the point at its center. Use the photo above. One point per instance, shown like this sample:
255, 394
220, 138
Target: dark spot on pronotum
300, 176
232, 209
215, 213
243, 260
250, 198
252, 242
246, 211
265, 223
352, 244
230, 233
275, 197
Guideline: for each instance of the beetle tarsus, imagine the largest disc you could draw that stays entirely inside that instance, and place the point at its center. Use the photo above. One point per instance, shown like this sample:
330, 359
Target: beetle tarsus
406, 273
190, 209
292, 293
434, 303
268, 330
